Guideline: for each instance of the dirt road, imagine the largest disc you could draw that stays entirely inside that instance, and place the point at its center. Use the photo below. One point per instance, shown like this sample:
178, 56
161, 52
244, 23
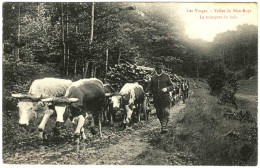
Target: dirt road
132, 145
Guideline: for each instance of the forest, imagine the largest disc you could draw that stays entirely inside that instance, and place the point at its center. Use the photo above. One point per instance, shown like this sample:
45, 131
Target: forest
82, 40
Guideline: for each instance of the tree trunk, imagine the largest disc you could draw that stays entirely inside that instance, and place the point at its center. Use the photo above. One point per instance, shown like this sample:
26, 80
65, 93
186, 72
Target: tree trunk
198, 71
86, 69
68, 58
106, 61
119, 57
19, 32
75, 68
63, 38
83, 65
244, 56
90, 41
92, 23
67, 35
93, 70
249, 58
231, 58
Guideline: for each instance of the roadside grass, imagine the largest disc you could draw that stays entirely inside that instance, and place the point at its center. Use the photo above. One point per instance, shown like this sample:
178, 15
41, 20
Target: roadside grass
151, 157
248, 87
201, 135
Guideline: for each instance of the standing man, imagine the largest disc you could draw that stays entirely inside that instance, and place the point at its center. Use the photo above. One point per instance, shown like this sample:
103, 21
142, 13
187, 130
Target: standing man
160, 86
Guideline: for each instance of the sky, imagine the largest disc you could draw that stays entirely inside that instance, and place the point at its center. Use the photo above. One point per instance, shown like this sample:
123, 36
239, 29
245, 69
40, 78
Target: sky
217, 18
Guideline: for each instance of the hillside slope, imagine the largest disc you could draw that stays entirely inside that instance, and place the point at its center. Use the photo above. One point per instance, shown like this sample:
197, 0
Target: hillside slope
206, 133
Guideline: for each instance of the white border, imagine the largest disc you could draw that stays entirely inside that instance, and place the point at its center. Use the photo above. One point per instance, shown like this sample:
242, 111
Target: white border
69, 166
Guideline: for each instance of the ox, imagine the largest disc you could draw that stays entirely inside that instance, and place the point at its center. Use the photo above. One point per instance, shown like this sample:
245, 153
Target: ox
91, 101
132, 96
30, 106
112, 104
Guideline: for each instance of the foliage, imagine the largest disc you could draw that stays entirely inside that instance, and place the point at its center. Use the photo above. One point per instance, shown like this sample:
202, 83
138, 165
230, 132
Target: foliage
216, 79
240, 115
60, 33
18, 76
237, 49
227, 94
249, 72
146, 33
223, 83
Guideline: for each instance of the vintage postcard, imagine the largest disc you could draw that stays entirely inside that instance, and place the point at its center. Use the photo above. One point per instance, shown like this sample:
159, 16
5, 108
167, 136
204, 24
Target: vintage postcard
130, 83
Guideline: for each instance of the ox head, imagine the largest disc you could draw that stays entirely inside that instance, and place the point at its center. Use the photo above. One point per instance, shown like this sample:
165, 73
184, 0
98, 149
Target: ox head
123, 100
28, 106
115, 100
128, 100
61, 104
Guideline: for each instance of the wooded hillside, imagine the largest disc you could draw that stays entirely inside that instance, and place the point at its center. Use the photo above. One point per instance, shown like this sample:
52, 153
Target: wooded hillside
84, 39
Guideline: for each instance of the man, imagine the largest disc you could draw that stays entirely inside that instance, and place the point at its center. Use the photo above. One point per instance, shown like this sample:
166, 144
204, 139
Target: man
188, 88
160, 86
184, 90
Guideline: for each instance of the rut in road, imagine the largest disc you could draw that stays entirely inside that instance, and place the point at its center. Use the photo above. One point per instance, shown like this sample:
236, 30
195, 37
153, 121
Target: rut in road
132, 145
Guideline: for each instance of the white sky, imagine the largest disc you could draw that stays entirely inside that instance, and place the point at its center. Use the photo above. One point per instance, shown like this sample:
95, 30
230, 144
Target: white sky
206, 29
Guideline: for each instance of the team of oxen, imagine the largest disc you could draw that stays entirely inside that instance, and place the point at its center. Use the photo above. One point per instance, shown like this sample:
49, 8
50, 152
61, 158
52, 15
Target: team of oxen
80, 101
84, 100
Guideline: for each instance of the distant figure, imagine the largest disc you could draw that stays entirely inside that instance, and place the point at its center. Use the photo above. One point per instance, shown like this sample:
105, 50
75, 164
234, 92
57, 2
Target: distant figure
188, 88
184, 90
178, 89
160, 86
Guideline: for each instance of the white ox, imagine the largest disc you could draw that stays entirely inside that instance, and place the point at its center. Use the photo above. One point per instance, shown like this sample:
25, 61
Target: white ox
30, 106
132, 96
90, 97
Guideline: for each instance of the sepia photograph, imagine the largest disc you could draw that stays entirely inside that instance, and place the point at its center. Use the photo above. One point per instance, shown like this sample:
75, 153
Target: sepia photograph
130, 83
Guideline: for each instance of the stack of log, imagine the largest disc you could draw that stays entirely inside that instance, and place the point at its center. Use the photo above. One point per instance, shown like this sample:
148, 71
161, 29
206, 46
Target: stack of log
126, 73
123, 73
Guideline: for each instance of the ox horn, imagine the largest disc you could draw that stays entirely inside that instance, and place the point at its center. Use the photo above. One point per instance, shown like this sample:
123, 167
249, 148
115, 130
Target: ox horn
47, 99
73, 100
112, 94
108, 94
26, 96
60, 100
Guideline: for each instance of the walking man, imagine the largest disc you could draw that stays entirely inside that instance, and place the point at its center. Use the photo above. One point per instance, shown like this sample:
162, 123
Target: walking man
184, 90
160, 86
188, 88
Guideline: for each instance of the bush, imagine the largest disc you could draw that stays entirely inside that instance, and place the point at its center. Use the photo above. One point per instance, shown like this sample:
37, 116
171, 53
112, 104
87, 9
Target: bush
223, 83
217, 79
227, 95
241, 115
18, 76
249, 72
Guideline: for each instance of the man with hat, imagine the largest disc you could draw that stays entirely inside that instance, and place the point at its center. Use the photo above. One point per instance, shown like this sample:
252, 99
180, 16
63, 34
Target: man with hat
160, 86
